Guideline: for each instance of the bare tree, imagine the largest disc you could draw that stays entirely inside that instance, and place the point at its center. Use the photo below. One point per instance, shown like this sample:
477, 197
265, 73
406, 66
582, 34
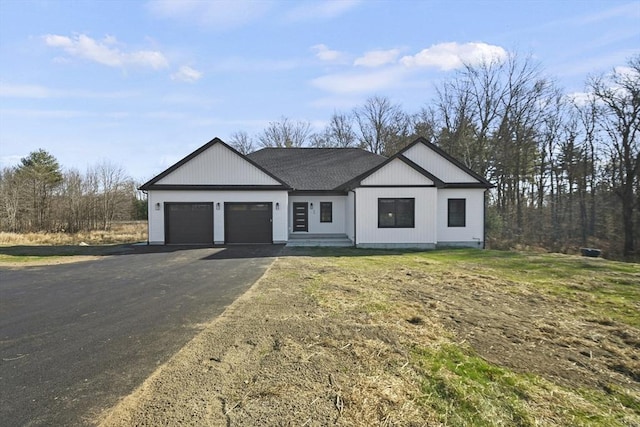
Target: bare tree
383, 127
618, 98
11, 192
115, 192
242, 142
285, 133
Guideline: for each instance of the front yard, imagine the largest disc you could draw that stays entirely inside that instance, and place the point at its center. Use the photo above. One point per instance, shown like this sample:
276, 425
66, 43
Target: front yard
464, 337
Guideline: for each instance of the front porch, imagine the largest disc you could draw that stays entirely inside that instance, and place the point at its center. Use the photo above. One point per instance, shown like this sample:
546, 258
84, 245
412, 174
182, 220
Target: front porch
324, 240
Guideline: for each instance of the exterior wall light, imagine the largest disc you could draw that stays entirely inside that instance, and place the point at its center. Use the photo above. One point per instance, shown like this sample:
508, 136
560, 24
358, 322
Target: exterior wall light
158, 206
311, 205
277, 206
218, 206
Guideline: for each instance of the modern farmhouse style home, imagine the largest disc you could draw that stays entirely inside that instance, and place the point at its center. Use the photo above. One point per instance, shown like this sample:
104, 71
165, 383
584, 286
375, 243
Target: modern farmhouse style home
419, 198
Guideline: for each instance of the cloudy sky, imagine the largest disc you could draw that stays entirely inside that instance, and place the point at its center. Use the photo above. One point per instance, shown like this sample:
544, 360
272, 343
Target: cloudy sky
142, 84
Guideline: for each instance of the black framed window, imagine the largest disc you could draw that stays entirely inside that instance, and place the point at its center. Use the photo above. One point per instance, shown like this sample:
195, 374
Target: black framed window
396, 213
457, 213
326, 212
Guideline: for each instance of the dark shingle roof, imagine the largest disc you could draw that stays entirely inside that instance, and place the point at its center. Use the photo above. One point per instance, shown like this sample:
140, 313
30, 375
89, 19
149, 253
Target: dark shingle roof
313, 169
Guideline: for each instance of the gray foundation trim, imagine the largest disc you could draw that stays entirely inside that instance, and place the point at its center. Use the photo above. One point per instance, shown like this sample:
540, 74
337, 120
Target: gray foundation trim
396, 245
476, 244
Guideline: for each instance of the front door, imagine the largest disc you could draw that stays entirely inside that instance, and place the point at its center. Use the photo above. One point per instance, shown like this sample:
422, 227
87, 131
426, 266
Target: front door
300, 216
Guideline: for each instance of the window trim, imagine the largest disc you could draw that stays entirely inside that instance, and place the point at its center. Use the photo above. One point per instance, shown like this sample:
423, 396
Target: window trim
323, 206
450, 220
395, 212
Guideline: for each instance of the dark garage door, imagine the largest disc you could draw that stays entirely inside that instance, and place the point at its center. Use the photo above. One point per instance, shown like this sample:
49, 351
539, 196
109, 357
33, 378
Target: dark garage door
248, 223
188, 223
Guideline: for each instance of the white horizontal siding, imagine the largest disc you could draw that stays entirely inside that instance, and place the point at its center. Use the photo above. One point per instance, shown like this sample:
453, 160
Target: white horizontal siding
218, 165
437, 165
159, 198
474, 229
367, 231
337, 226
396, 172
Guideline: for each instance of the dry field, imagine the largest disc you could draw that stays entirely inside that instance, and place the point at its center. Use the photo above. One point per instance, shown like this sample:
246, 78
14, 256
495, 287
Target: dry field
120, 232
455, 338
22, 249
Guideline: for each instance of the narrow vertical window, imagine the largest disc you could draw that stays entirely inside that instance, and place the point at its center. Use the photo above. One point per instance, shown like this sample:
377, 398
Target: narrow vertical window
326, 212
457, 213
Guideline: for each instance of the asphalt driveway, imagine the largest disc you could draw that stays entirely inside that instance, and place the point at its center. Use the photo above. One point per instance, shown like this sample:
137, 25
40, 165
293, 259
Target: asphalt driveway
75, 338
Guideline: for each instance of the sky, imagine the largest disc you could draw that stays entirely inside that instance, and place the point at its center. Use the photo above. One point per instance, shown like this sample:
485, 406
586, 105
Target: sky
141, 84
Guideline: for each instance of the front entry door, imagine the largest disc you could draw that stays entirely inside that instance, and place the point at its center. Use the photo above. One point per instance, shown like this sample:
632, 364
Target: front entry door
300, 216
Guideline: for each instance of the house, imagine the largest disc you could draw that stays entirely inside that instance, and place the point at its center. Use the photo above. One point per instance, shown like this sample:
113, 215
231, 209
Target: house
419, 198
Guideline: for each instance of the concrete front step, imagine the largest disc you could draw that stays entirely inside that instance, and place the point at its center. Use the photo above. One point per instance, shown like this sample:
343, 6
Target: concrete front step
312, 239
343, 243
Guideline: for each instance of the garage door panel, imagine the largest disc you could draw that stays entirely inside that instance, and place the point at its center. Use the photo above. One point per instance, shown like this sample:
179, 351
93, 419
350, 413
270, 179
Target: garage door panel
189, 223
248, 223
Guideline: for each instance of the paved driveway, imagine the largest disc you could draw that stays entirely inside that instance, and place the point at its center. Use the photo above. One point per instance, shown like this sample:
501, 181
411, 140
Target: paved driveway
75, 338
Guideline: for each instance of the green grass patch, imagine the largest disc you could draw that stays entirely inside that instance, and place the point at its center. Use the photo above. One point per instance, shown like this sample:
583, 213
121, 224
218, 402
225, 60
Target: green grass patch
465, 390
606, 288
25, 259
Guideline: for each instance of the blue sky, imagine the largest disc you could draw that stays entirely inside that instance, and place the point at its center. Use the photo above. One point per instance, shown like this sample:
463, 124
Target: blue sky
142, 84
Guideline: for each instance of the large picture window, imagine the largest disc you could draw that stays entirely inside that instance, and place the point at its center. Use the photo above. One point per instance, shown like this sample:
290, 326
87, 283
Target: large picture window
326, 212
396, 213
457, 213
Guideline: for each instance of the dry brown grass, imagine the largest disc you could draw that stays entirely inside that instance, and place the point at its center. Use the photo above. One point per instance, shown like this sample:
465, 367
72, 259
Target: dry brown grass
456, 338
121, 232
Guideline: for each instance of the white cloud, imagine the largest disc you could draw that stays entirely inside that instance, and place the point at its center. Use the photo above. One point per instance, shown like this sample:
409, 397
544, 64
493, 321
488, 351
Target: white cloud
219, 14
580, 98
325, 54
10, 160
187, 74
626, 72
359, 82
377, 58
105, 52
449, 56
313, 10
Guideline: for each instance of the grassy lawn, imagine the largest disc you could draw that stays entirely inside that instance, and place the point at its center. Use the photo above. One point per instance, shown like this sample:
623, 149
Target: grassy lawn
583, 311
380, 338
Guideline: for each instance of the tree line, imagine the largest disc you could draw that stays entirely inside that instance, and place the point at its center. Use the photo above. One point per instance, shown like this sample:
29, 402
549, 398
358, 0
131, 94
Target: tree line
37, 195
566, 169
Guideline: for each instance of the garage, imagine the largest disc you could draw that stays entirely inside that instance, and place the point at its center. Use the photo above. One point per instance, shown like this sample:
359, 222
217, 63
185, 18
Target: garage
188, 223
248, 223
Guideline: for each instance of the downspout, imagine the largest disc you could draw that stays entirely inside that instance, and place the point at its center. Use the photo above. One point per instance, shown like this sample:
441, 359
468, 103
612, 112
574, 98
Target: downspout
484, 220
146, 193
355, 228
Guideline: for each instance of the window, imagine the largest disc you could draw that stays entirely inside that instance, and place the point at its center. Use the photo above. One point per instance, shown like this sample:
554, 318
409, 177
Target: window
457, 213
326, 212
396, 213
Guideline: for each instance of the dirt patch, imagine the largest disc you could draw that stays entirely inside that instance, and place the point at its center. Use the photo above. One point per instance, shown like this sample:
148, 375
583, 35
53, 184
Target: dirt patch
534, 333
332, 341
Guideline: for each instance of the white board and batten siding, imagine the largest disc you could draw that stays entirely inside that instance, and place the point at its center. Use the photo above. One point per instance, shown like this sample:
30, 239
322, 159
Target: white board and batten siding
159, 198
423, 235
472, 234
220, 166
437, 165
396, 172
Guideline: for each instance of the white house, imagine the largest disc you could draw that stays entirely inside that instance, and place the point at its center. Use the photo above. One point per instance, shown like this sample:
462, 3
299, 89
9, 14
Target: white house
419, 198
